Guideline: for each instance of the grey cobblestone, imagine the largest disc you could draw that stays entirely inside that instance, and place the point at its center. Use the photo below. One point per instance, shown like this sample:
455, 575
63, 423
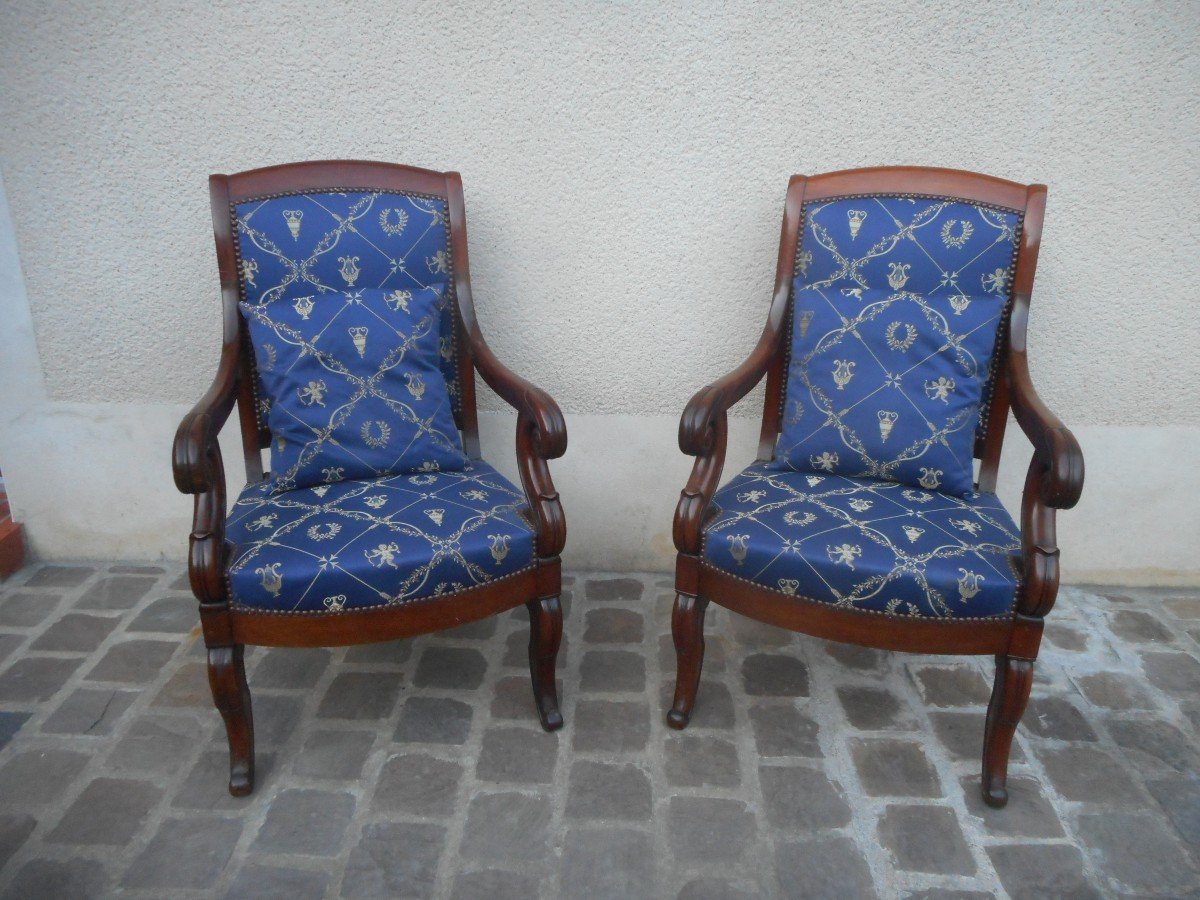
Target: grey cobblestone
416, 767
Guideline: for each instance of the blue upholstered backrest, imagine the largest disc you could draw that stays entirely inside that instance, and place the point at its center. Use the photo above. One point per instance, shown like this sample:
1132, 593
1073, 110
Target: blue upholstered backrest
896, 308
298, 247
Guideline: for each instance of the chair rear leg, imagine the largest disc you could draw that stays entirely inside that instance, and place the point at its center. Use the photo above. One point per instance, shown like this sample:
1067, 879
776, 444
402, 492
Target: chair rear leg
687, 630
1014, 679
227, 678
545, 635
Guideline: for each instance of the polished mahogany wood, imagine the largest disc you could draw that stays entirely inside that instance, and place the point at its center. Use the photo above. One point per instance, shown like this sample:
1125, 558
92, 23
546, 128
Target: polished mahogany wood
541, 435
1054, 480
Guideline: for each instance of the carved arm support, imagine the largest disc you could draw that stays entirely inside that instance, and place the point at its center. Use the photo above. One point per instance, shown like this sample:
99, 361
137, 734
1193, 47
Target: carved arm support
1055, 477
703, 430
199, 470
541, 436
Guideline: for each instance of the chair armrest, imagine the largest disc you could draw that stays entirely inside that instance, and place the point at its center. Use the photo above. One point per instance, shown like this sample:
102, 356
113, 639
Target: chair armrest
196, 437
541, 436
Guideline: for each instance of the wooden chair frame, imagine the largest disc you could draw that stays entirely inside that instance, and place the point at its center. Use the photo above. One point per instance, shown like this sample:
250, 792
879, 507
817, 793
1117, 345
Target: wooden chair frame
1054, 480
199, 470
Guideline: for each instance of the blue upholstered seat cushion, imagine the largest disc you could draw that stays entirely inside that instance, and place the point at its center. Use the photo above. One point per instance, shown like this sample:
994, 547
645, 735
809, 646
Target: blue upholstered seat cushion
866, 545
355, 386
376, 542
294, 248
896, 306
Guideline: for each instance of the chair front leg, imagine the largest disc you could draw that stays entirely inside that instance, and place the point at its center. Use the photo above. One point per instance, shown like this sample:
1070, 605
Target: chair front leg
231, 693
1014, 679
687, 631
545, 635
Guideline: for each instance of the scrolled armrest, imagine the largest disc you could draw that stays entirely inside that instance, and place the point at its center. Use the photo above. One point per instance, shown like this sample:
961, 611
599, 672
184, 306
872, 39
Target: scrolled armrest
196, 438
1056, 450
537, 407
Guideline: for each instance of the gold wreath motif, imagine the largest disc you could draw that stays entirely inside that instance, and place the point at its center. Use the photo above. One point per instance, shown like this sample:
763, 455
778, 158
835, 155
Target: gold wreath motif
401, 221
950, 239
910, 336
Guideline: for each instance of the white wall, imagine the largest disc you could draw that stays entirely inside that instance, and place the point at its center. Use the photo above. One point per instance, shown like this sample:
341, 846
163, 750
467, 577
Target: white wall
625, 167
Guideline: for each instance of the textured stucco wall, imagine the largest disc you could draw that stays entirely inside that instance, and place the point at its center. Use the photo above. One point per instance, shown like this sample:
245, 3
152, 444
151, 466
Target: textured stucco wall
625, 166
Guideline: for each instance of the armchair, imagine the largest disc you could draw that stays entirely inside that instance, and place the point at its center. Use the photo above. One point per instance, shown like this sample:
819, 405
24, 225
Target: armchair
864, 519
355, 560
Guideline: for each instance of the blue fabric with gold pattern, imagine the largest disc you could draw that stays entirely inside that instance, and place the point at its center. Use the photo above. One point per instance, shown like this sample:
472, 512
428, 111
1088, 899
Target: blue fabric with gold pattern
355, 386
296, 248
896, 306
379, 542
866, 545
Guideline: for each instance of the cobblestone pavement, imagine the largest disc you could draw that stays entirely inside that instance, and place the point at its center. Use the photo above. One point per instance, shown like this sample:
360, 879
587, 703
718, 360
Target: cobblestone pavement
417, 768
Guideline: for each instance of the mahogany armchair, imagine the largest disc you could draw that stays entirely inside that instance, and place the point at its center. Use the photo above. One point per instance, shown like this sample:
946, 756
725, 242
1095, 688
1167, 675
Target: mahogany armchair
893, 351
339, 266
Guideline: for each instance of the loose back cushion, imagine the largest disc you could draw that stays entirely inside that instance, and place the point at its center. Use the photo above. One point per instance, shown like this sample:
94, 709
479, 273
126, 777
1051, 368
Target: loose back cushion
897, 302
294, 248
355, 387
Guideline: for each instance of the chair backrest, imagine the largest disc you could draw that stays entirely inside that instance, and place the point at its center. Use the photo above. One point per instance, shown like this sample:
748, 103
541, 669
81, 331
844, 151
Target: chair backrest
937, 233
296, 231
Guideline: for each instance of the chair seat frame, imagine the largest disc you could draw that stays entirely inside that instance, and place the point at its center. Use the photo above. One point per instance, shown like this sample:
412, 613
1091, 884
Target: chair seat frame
1054, 480
541, 435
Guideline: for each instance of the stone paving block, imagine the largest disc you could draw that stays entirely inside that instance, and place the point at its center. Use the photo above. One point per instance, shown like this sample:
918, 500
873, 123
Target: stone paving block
1176, 673
513, 698
9, 643
612, 590
611, 725
962, 734
608, 791
494, 884
711, 888
1156, 747
1139, 853
1087, 773
1028, 814
949, 894
133, 662
802, 798
827, 866
306, 821
705, 829
256, 882
692, 760
32, 679
1179, 796
417, 784
60, 576
1056, 718
753, 633
184, 854
782, 730
170, 615
715, 654
110, 811
34, 777
450, 668
944, 686
612, 626
155, 744
1183, 607
516, 650
10, 724
25, 609
75, 633
894, 768
774, 675
1065, 637
394, 859
607, 671
1139, 627
1115, 690
875, 709
851, 656
59, 879
507, 827
521, 755
275, 718
386, 653
479, 630
335, 753
925, 839
1037, 871
603, 864
290, 668
115, 592
434, 720
187, 688
714, 704
360, 695
15, 829
206, 786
